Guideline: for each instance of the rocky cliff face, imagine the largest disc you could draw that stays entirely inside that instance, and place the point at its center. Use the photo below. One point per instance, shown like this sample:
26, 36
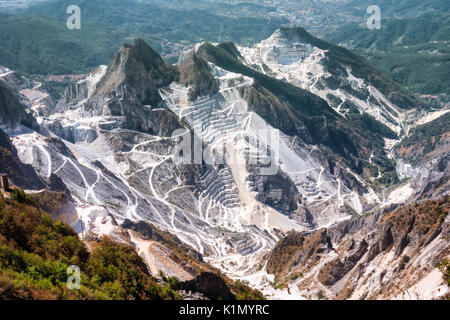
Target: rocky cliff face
140, 70
423, 156
334, 73
127, 89
19, 174
38, 98
383, 256
210, 285
195, 73
12, 112
12, 116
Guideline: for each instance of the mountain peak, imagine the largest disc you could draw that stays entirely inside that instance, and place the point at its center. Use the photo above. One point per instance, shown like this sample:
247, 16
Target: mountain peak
140, 68
143, 51
288, 44
297, 34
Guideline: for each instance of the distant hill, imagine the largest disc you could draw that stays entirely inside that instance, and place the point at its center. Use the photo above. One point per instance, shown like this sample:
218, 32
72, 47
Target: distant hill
41, 45
183, 24
38, 42
413, 51
398, 8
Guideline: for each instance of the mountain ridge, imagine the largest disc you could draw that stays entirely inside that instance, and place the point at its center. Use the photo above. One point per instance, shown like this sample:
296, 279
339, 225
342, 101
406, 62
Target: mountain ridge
109, 142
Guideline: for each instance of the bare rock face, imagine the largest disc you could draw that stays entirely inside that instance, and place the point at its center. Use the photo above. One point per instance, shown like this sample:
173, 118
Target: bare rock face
385, 239
136, 70
20, 174
378, 256
75, 93
336, 269
437, 182
151, 233
276, 191
73, 132
128, 89
210, 285
158, 122
56, 184
194, 72
12, 112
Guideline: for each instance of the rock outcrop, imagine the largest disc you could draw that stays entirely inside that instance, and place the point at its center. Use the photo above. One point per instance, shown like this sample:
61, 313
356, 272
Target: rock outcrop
210, 285
20, 174
194, 72
383, 255
133, 76
12, 112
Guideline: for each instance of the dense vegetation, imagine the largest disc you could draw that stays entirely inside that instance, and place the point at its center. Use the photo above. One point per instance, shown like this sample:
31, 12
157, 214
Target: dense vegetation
398, 8
365, 124
40, 43
425, 139
413, 51
187, 25
244, 292
422, 73
35, 252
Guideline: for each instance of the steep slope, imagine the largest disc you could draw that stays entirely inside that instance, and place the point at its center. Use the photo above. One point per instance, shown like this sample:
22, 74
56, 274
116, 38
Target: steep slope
141, 69
388, 255
10, 108
19, 174
332, 72
12, 112
413, 51
427, 141
269, 157
423, 156
36, 250
13, 116
351, 137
